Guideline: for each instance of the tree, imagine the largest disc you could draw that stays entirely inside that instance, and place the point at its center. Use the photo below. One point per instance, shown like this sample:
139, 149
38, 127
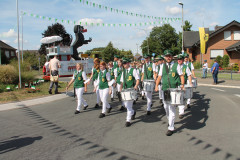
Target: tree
127, 54
56, 29
225, 61
219, 60
160, 39
109, 52
187, 26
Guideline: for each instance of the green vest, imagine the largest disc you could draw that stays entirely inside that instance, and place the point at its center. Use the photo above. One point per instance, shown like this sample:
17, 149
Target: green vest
111, 71
184, 69
103, 83
95, 74
190, 65
119, 74
78, 81
115, 65
129, 79
148, 69
173, 77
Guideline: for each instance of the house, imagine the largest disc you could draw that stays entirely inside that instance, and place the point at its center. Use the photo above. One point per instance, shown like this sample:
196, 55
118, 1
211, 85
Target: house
7, 52
224, 40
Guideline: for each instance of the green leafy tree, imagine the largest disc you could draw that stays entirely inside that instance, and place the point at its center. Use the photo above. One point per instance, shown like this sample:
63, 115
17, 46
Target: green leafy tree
127, 54
109, 52
187, 26
160, 39
225, 61
219, 60
56, 29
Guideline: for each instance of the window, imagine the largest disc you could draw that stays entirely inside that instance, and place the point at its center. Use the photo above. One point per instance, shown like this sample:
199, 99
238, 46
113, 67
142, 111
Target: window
236, 35
7, 54
217, 52
64, 58
12, 54
227, 35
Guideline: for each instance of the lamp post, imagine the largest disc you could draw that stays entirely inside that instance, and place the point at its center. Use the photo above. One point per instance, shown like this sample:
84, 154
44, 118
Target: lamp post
20, 82
180, 3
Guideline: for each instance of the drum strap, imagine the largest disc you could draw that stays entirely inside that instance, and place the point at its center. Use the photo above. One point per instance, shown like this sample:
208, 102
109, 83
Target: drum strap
167, 70
124, 76
145, 70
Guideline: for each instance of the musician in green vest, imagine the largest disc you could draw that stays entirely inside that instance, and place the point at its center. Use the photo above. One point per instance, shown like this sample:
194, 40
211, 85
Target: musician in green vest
160, 61
78, 78
94, 76
140, 88
111, 71
118, 74
147, 74
115, 61
128, 78
187, 76
191, 67
104, 89
172, 77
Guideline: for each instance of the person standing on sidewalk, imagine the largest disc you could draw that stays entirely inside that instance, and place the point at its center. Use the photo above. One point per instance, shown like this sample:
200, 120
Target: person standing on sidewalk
205, 68
214, 70
54, 64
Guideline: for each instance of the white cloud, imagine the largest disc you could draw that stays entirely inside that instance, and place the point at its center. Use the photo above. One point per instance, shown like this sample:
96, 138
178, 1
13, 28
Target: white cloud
20, 40
165, 0
10, 33
6, 41
89, 20
213, 24
173, 10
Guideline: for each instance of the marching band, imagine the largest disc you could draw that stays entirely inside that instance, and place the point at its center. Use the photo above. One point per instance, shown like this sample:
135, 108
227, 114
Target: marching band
174, 82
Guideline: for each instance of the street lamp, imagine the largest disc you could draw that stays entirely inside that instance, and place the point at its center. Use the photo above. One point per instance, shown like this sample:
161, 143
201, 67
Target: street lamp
19, 68
180, 3
145, 31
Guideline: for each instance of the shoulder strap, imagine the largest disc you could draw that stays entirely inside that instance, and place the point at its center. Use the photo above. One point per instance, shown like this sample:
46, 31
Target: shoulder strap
167, 70
145, 70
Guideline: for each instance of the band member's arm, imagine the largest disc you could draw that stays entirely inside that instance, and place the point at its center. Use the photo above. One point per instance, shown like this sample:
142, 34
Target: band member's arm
136, 76
193, 73
182, 81
189, 75
91, 75
142, 73
84, 78
69, 84
157, 82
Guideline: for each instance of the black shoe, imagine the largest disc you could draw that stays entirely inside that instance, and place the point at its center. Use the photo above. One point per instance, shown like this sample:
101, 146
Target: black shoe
101, 115
109, 110
76, 112
188, 106
122, 108
160, 101
181, 116
57, 92
50, 92
119, 97
134, 102
169, 133
142, 97
96, 106
148, 113
85, 107
128, 124
133, 116
151, 105
112, 99
136, 99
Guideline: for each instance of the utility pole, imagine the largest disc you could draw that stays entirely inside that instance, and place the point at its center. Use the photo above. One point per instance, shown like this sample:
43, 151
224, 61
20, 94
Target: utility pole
19, 68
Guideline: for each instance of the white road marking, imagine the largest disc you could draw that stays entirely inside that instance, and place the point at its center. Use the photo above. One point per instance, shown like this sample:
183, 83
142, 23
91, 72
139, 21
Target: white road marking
238, 95
218, 89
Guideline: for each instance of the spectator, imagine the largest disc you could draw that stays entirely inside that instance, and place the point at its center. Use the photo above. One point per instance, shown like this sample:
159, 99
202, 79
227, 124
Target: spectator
205, 68
54, 64
214, 70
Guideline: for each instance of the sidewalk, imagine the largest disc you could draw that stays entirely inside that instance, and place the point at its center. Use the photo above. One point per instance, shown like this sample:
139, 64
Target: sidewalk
201, 82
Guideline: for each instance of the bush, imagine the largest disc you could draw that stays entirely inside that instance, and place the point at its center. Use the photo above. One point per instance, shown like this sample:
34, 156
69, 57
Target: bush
219, 60
27, 77
8, 74
235, 67
25, 66
197, 65
225, 61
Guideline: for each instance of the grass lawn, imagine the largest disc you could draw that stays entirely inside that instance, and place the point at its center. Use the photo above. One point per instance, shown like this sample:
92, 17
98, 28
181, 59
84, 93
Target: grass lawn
226, 76
22, 94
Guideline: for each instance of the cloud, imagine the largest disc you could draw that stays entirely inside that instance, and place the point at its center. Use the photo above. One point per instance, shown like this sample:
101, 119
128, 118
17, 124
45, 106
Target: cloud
165, 0
142, 32
213, 24
10, 33
20, 40
89, 20
173, 10
6, 41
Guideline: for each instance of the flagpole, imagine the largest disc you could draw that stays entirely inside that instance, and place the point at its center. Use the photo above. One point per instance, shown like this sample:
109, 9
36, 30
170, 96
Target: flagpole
19, 68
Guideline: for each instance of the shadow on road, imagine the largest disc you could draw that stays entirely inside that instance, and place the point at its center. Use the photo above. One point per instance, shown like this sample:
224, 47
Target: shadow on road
16, 143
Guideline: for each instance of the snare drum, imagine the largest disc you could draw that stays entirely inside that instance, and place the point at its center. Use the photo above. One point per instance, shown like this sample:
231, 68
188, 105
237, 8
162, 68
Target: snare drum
194, 82
176, 97
148, 85
129, 94
188, 92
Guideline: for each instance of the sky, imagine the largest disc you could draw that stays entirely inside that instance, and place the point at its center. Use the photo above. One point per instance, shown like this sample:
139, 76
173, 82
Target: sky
200, 13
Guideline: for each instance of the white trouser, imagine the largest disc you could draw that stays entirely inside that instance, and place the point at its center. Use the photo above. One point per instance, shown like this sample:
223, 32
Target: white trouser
149, 100
112, 91
170, 113
181, 109
160, 92
130, 111
142, 93
104, 96
188, 101
97, 91
79, 93
118, 87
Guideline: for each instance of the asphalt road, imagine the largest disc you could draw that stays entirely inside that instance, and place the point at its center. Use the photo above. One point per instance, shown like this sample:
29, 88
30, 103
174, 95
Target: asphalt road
209, 131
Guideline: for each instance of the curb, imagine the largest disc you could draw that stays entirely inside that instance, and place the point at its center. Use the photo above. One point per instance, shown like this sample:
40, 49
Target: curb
223, 86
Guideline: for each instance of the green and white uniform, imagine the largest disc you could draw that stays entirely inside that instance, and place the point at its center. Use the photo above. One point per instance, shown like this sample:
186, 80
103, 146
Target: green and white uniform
95, 73
111, 71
